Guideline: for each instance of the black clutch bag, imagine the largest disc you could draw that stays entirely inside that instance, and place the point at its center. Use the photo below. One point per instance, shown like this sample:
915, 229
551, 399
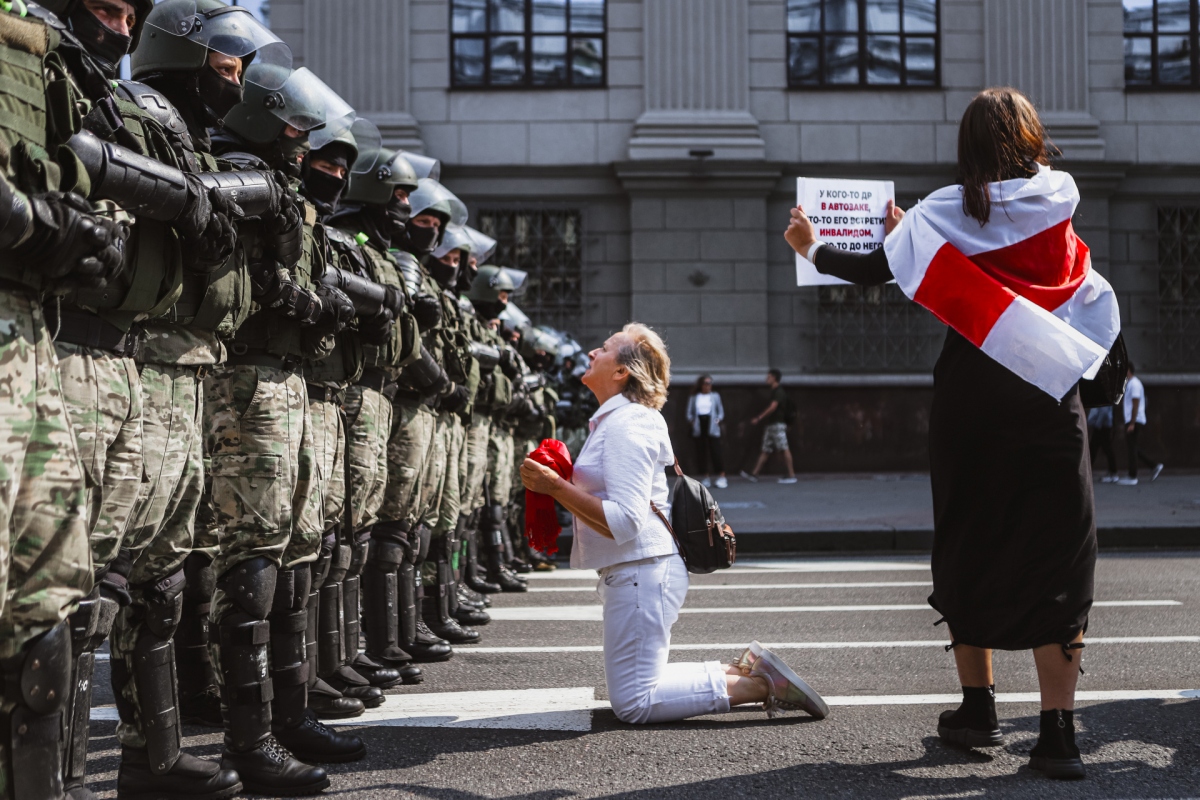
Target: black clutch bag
1108, 387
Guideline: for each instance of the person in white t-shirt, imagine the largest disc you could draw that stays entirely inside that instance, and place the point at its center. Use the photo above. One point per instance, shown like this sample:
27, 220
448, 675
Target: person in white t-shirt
1135, 420
705, 413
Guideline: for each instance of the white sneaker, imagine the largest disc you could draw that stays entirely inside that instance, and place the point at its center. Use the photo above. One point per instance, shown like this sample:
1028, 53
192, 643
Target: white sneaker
722, 483
1113, 478
706, 483
1157, 471
1127, 481
787, 480
749, 477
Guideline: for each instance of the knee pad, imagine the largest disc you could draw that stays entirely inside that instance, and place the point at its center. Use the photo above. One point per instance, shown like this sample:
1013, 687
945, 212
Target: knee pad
44, 672
339, 565
386, 556
38, 686
164, 605
92, 623
320, 567
251, 586
358, 556
423, 536
292, 587
199, 580
393, 531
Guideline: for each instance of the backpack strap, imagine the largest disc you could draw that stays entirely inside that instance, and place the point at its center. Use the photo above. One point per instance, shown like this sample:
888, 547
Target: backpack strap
666, 521
678, 469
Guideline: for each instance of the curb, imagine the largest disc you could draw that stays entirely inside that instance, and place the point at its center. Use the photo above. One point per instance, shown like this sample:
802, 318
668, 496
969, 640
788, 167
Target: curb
921, 541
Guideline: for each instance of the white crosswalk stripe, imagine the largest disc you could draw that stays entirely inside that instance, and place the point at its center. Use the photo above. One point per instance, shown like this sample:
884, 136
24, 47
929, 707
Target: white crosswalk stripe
706, 587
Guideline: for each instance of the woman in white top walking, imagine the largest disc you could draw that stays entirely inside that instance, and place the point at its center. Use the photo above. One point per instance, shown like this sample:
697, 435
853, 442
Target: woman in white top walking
705, 412
643, 581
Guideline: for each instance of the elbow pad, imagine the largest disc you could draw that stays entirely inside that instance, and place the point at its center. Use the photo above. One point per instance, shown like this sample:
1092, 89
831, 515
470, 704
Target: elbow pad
16, 216
427, 375
369, 298
255, 192
140, 185
487, 356
427, 310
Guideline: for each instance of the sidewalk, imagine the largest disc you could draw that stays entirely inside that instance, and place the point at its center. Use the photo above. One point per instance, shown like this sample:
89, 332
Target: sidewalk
894, 512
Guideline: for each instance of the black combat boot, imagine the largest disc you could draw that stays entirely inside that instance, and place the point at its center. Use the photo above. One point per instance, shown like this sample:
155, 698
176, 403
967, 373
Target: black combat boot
1056, 755
190, 778
330, 664
418, 639
473, 574
974, 723
37, 686
199, 697
383, 600
376, 674
314, 741
325, 701
494, 535
90, 625
435, 608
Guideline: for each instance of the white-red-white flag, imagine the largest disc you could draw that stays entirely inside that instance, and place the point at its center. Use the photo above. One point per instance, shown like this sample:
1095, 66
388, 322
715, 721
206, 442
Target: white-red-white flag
1021, 288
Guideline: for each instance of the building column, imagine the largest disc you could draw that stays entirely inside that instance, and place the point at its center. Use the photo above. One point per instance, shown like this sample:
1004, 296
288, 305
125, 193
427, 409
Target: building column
697, 86
1041, 48
362, 48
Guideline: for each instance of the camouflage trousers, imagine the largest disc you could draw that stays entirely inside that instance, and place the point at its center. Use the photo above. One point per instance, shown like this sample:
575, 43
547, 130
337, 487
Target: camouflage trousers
477, 437
161, 530
369, 422
409, 451
448, 460
45, 561
500, 466
329, 455
104, 399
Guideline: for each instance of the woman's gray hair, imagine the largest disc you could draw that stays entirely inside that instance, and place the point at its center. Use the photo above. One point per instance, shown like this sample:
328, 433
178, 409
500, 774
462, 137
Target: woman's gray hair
644, 355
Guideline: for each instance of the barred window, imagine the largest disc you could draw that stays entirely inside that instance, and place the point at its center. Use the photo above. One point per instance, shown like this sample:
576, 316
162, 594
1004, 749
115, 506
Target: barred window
527, 44
874, 329
1162, 44
1179, 287
547, 244
845, 43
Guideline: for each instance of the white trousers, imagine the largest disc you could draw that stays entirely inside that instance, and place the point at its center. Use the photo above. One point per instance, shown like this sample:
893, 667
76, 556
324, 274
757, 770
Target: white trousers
641, 602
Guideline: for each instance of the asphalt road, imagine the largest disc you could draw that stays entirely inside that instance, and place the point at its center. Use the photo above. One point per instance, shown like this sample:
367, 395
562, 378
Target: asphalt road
856, 628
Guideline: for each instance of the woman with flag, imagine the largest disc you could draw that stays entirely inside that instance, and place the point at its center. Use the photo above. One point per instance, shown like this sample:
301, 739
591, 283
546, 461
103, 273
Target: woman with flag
1014, 553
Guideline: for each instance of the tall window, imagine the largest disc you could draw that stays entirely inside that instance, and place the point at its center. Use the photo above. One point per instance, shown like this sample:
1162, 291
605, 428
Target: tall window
548, 244
874, 329
1179, 287
527, 43
843, 43
1162, 43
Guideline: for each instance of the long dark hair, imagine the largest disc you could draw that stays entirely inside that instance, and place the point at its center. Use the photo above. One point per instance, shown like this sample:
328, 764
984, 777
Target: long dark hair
699, 387
1000, 138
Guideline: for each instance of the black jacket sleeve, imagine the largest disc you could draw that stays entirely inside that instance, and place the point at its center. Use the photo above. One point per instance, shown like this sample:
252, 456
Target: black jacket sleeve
870, 269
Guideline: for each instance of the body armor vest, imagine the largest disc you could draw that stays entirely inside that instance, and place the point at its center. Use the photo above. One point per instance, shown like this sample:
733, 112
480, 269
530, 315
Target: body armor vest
344, 365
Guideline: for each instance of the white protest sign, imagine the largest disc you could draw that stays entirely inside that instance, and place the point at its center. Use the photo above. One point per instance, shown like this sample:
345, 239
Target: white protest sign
847, 214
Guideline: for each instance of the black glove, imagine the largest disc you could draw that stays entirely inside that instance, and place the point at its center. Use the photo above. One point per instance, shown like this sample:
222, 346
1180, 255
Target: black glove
215, 244
378, 329
71, 244
337, 309
194, 220
394, 300
456, 400
285, 214
272, 288
508, 364
428, 311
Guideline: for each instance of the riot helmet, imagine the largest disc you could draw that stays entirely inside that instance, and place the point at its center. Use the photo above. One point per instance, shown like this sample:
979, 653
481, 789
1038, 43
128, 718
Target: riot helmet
539, 348
183, 35
105, 45
491, 289
424, 166
456, 243
327, 166
485, 247
377, 184
434, 207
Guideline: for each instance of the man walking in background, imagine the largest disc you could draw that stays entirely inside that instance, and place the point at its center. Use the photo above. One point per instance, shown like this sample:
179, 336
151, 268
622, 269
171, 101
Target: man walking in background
778, 414
1135, 421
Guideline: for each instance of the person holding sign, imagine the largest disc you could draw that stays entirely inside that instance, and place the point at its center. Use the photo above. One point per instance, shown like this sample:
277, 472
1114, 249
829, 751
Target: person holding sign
1014, 552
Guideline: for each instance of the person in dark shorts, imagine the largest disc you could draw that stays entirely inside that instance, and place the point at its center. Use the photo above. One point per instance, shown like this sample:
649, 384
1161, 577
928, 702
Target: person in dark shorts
775, 434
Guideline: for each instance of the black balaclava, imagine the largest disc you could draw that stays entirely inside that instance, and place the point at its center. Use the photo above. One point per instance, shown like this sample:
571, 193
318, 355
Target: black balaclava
390, 220
323, 189
106, 46
490, 309
218, 94
466, 274
444, 274
418, 240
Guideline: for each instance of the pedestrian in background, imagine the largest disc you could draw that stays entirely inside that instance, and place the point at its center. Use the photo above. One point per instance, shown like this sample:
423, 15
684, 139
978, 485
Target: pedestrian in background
1100, 431
705, 413
1135, 421
777, 414
618, 479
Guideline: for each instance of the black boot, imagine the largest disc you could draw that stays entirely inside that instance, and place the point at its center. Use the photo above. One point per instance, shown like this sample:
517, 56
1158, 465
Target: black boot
425, 646
324, 700
497, 570
974, 723
376, 674
1055, 754
37, 685
330, 664
473, 573
381, 595
190, 778
90, 625
263, 764
199, 697
313, 741
436, 612
466, 612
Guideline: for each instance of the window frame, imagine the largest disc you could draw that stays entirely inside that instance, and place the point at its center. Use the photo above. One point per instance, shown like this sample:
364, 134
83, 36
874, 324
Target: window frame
862, 34
527, 35
1193, 35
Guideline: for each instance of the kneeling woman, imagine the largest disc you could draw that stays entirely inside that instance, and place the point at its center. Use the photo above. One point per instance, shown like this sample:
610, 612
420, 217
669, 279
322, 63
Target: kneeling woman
643, 580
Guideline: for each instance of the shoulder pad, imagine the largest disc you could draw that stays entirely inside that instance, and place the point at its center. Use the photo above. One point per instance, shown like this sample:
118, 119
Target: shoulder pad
242, 160
340, 237
49, 17
465, 305
154, 103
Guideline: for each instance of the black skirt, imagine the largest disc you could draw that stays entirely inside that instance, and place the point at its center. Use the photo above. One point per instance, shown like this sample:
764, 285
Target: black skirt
1014, 545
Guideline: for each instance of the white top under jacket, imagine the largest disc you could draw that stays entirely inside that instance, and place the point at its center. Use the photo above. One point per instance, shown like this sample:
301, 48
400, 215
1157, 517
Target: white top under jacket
623, 463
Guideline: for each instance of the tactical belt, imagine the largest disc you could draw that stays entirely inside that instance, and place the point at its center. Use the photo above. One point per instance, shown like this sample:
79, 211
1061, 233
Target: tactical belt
381, 382
258, 358
326, 394
85, 329
408, 395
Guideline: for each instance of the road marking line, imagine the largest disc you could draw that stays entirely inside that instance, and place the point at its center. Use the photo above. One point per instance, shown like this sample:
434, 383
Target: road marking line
735, 646
761, 568
595, 613
704, 587
570, 709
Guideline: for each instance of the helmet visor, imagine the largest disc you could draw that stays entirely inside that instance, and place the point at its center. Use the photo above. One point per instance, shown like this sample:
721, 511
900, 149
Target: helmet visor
232, 31
303, 101
455, 238
515, 317
358, 131
425, 166
397, 171
485, 246
430, 193
518, 277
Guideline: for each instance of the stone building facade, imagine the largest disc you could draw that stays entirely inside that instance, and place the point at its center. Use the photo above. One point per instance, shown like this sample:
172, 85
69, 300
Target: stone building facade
656, 184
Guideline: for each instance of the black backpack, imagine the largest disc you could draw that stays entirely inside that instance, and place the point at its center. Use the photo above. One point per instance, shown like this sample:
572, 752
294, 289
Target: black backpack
705, 541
